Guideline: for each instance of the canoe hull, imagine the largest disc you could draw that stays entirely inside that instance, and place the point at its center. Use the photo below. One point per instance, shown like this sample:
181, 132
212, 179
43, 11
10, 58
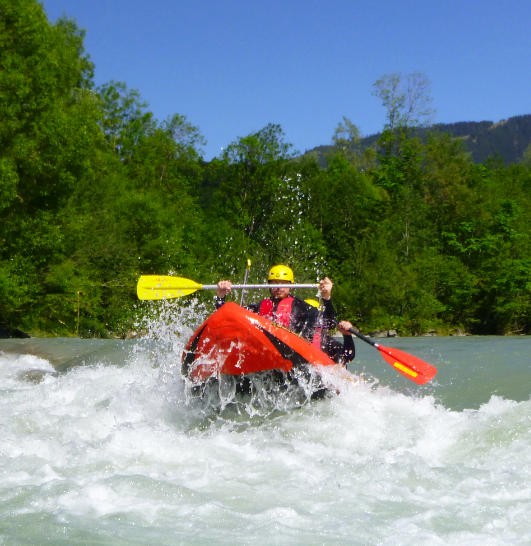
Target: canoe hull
235, 341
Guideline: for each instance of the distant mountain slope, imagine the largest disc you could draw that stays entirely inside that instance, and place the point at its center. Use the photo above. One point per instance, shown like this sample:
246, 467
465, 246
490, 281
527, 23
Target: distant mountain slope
506, 139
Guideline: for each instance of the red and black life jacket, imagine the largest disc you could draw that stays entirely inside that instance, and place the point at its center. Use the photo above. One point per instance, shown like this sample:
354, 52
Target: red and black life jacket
280, 312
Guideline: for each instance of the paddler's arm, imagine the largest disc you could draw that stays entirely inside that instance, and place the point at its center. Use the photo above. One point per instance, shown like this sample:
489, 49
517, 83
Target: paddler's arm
329, 320
342, 353
224, 287
328, 317
349, 350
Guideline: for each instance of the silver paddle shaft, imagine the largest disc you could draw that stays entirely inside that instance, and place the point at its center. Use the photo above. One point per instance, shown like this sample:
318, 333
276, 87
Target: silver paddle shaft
255, 286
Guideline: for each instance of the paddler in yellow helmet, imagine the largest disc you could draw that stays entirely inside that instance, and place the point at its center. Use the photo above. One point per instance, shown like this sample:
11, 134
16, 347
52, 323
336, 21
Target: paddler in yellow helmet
285, 309
342, 353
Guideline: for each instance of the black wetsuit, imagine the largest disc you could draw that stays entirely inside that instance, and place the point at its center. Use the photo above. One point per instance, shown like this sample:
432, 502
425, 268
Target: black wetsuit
342, 353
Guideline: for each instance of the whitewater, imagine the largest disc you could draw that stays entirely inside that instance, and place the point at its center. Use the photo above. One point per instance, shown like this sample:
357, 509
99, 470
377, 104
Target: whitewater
101, 443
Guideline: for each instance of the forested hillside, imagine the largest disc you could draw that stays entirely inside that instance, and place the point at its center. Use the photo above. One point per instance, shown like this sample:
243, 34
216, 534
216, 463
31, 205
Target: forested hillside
95, 191
508, 140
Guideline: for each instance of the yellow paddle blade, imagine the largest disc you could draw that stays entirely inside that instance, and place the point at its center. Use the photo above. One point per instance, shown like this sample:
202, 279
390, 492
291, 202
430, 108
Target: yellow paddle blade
159, 287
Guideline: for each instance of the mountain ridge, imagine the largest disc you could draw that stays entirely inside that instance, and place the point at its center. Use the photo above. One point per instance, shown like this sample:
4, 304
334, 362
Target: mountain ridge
506, 139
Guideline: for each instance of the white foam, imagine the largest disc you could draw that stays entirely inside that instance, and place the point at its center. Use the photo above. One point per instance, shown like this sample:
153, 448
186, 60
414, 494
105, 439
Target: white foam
119, 449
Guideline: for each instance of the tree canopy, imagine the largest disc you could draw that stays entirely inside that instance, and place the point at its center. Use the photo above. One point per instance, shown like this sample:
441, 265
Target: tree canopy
95, 191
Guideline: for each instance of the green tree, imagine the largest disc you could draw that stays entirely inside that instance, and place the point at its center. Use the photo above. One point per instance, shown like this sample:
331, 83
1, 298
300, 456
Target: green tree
256, 165
407, 99
126, 119
48, 137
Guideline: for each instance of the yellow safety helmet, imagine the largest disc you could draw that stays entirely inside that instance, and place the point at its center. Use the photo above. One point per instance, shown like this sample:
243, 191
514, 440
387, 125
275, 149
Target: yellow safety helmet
312, 302
281, 273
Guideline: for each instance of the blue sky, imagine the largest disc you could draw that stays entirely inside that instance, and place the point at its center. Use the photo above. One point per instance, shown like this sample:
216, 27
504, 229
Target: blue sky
233, 66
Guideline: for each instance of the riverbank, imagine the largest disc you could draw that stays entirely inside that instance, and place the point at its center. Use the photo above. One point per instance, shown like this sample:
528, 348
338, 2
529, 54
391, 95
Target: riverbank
8, 332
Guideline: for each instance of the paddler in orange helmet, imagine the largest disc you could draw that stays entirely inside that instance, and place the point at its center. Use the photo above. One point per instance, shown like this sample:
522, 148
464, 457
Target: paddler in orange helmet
285, 309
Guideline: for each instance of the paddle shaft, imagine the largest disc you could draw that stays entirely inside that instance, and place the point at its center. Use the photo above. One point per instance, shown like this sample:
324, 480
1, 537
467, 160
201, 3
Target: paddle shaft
252, 286
366, 339
158, 287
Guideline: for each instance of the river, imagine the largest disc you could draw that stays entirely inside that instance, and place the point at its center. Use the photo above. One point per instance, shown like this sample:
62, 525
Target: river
101, 444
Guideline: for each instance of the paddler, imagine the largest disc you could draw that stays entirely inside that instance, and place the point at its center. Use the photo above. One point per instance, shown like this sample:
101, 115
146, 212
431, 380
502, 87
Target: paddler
285, 309
342, 353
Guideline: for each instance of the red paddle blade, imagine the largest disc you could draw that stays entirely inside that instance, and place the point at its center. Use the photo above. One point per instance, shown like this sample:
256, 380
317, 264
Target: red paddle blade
412, 367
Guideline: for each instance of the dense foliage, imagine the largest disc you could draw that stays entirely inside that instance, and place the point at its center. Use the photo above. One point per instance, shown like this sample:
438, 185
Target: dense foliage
94, 192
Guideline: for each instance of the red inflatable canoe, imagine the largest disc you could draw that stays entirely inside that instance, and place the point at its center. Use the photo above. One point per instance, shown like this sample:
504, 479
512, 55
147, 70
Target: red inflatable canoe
235, 341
